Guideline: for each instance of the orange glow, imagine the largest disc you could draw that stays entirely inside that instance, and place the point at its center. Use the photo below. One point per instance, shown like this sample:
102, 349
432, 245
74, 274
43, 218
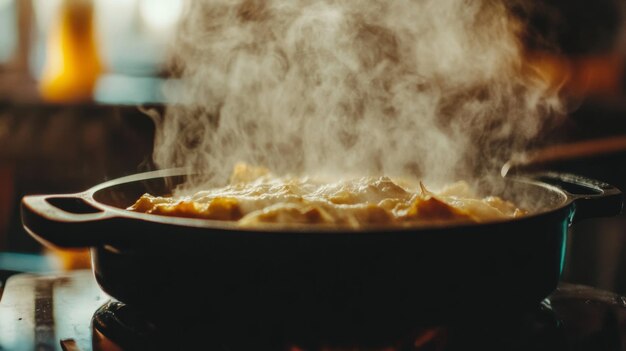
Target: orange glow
593, 75
71, 259
431, 337
72, 63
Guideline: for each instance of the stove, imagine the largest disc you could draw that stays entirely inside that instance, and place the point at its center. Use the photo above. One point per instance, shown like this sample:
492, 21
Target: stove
70, 312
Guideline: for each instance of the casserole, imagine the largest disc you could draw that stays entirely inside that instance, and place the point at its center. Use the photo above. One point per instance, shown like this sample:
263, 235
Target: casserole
317, 283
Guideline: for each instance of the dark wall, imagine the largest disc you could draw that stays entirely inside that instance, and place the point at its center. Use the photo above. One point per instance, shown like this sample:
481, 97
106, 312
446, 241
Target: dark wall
51, 149
572, 27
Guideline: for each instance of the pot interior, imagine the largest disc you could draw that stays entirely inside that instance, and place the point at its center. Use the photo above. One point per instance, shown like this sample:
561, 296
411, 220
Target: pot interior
533, 196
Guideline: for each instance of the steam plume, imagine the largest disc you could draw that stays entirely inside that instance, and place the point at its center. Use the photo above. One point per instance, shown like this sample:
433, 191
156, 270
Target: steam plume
433, 89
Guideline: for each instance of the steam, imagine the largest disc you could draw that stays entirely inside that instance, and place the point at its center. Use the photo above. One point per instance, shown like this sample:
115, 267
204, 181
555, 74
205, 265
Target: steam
432, 89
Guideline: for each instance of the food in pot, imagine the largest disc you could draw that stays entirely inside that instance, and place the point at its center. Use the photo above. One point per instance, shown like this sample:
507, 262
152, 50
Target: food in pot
255, 196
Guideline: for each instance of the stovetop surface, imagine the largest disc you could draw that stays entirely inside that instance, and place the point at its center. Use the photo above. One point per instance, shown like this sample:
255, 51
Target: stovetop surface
70, 312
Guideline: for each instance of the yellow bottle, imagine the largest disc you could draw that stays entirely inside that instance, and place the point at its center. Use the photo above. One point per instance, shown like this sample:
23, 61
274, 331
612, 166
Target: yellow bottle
72, 65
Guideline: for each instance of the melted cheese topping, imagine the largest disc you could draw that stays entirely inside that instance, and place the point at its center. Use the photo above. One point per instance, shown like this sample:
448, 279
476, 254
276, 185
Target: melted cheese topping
255, 196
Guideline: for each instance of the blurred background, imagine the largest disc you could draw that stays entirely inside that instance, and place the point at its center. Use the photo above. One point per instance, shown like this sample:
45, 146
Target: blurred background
75, 76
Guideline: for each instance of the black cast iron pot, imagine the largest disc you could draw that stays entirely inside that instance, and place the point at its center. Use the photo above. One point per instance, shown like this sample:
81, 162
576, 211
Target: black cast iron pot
313, 283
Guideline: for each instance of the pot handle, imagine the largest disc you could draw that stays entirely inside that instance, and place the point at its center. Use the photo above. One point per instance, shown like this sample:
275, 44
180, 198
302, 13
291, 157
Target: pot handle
64, 220
593, 198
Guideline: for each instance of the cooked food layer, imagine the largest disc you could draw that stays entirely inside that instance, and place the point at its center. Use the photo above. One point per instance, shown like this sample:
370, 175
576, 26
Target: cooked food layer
255, 196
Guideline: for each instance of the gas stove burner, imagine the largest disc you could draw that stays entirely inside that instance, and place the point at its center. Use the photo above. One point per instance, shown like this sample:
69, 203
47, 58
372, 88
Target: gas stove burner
129, 329
117, 326
536, 329
117, 323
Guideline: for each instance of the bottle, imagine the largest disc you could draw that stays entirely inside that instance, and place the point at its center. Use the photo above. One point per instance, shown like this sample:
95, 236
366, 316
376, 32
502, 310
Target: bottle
72, 64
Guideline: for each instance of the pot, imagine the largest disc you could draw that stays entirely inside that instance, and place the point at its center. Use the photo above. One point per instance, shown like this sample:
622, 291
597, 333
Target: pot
313, 283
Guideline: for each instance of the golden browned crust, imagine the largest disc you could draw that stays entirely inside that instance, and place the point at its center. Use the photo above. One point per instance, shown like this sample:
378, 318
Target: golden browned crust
255, 196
